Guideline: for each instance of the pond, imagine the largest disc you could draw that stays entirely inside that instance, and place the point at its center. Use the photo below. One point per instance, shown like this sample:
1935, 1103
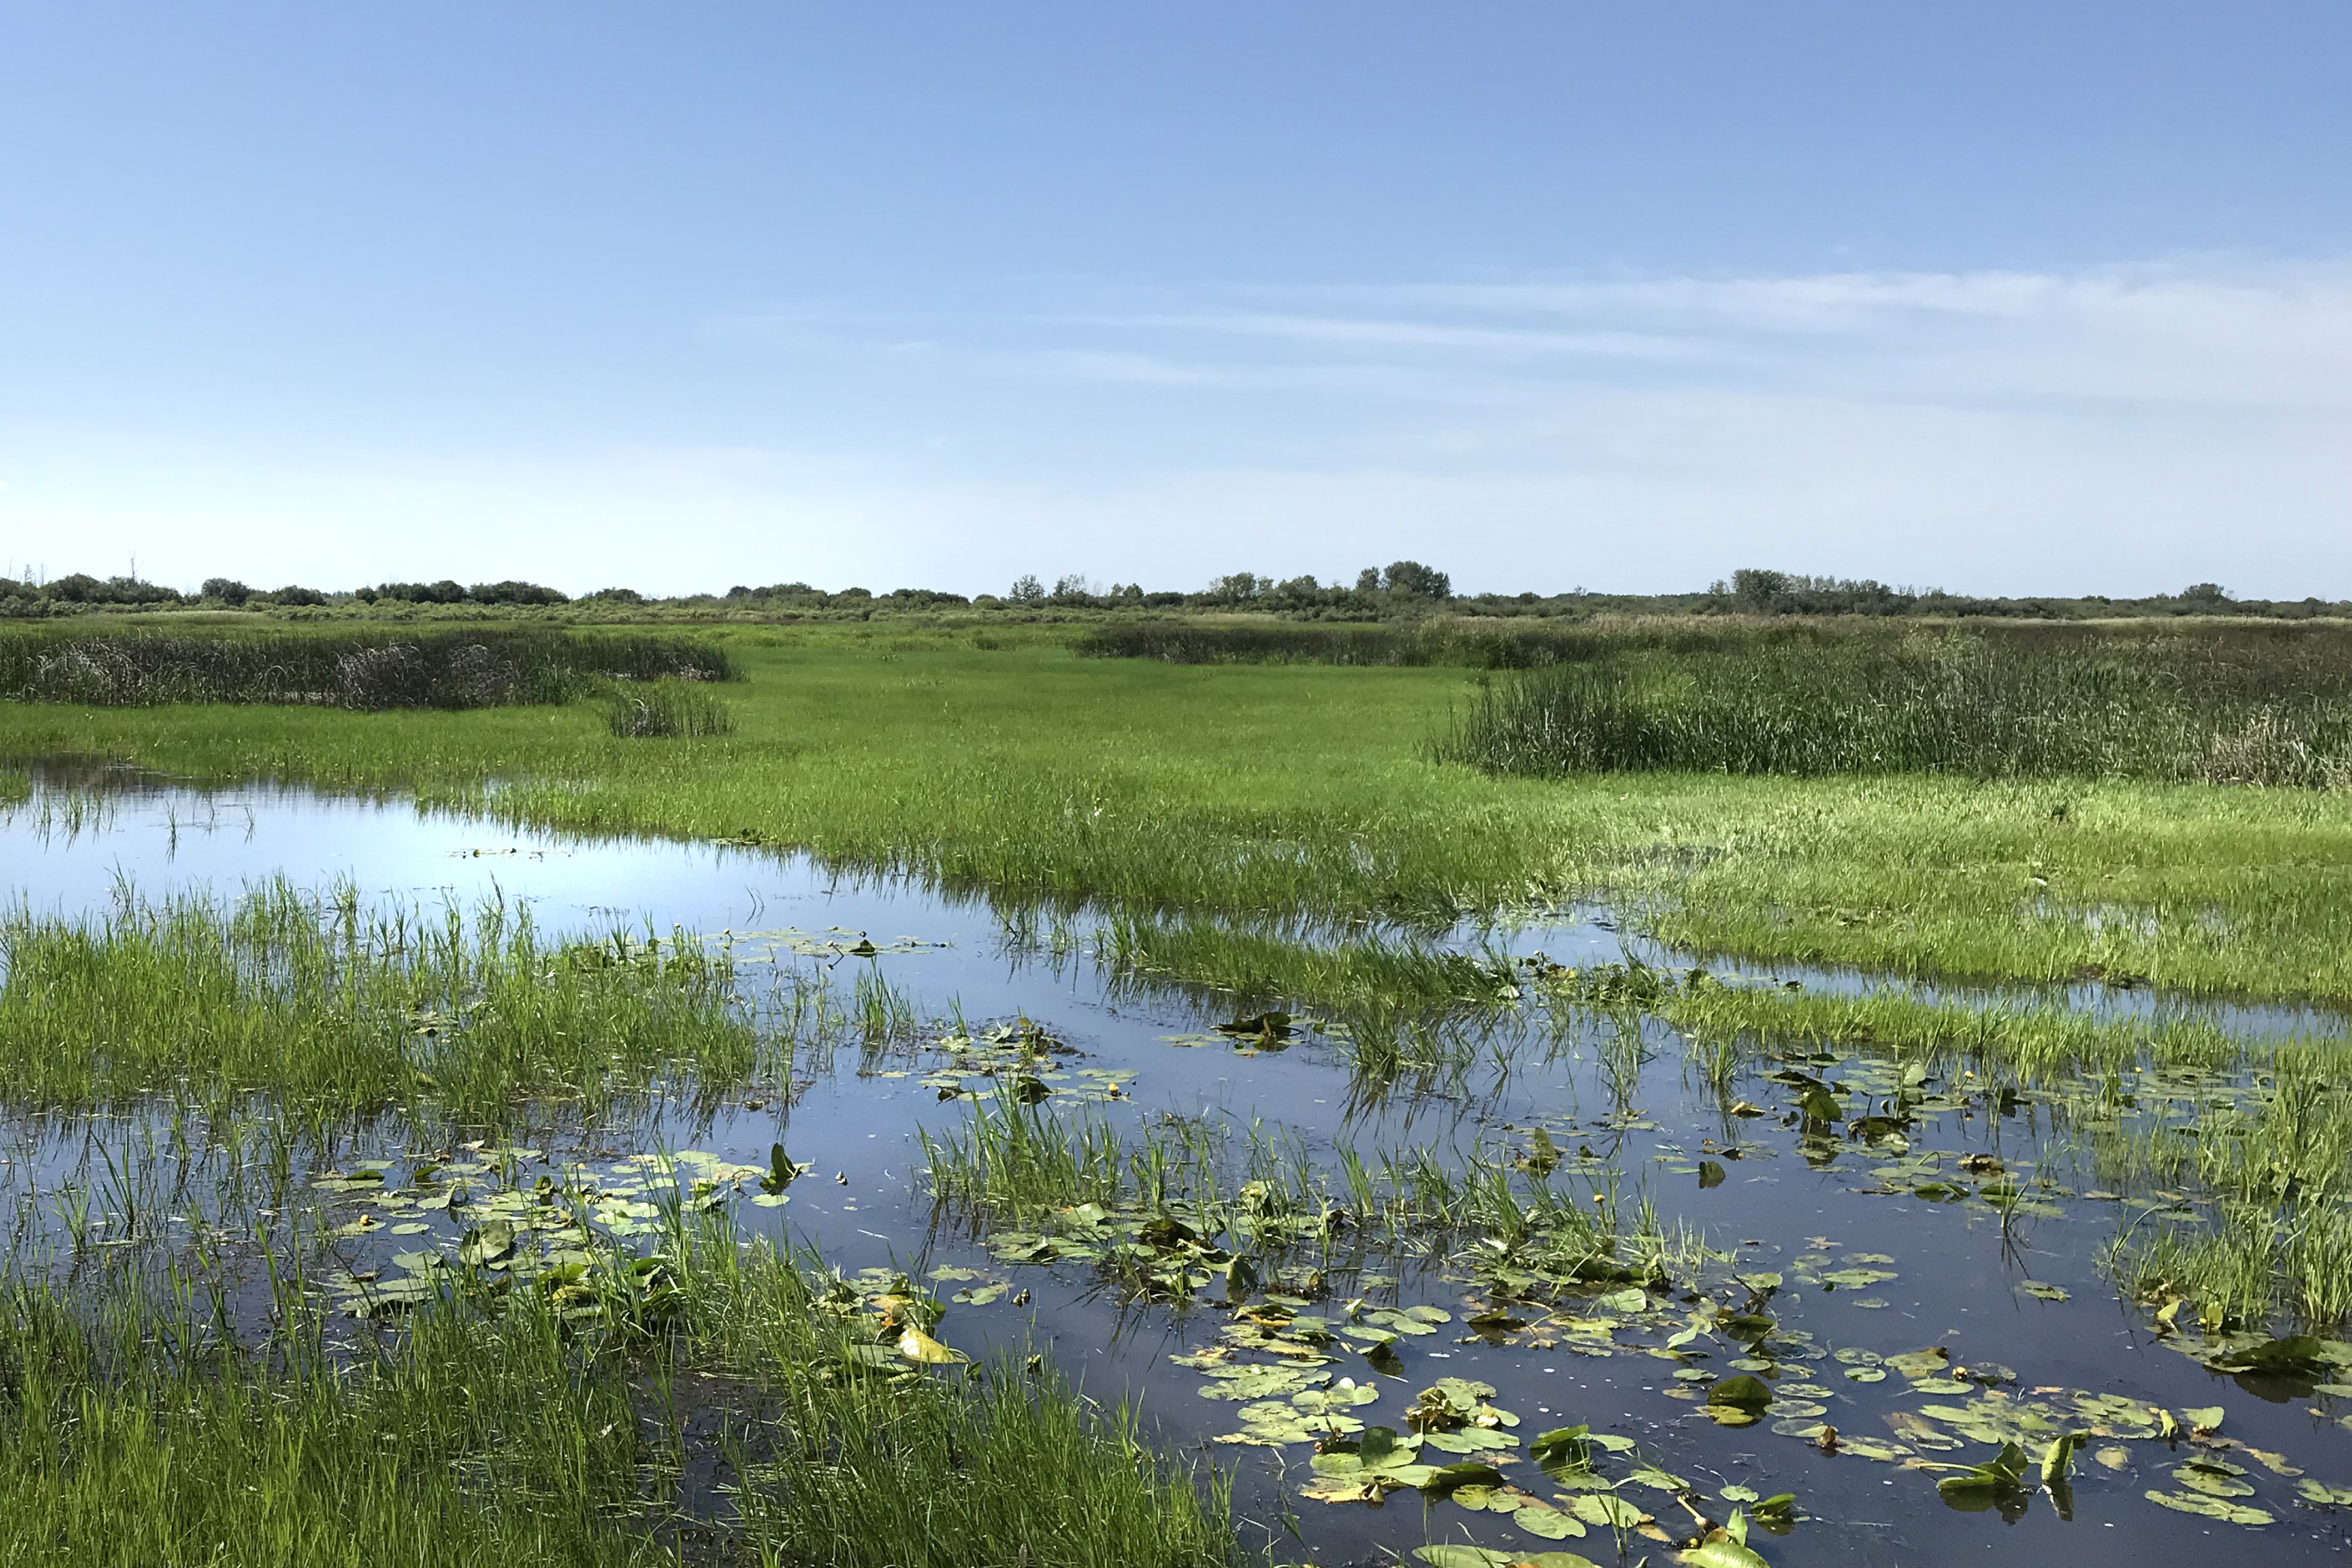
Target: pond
1823, 1273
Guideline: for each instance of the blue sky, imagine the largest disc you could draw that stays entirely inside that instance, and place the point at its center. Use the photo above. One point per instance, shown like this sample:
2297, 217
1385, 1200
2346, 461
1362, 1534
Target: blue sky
2005, 298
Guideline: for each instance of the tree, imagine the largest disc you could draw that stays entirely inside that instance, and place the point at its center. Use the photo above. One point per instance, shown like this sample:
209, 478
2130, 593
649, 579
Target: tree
227, 590
1238, 587
1412, 580
1026, 589
1755, 588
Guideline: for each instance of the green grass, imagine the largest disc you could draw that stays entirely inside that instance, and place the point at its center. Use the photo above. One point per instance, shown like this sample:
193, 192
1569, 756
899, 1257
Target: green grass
2025, 1040
494, 1429
1288, 790
1525, 1214
1368, 973
337, 1011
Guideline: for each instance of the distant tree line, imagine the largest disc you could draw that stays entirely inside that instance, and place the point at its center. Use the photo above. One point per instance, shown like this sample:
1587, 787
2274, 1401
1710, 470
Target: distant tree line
1401, 589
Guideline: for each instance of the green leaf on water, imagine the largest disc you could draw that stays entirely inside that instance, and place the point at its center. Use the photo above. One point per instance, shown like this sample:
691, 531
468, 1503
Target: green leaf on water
1721, 1551
1549, 1523
1710, 1174
1978, 1485
486, 1244
1742, 1392
1915, 1365
2215, 1477
2041, 1291
1601, 1507
1463, 1556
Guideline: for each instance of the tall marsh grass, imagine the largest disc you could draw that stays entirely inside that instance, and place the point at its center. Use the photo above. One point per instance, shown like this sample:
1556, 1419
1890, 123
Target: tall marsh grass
477, 668
2261, 706
338, 1010
663, 709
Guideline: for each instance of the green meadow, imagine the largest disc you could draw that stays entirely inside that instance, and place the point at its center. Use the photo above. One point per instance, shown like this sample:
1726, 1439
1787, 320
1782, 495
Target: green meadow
1307, 791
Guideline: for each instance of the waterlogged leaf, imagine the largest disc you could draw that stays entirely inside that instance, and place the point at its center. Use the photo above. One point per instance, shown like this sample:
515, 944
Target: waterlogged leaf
1661, 1481
2203, 1418
2114, 1457
2213, 1478
2209, 1508
1854, 1279
2323, 1495
1710, 1174
1446, 1479
1739, 1494
2297, 1355
2036, 1288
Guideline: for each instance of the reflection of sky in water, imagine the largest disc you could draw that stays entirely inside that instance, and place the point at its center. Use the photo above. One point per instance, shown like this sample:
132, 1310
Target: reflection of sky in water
1956, 1269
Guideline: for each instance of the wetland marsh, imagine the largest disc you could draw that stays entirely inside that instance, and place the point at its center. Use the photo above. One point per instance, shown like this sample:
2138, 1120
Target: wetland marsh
997, 1107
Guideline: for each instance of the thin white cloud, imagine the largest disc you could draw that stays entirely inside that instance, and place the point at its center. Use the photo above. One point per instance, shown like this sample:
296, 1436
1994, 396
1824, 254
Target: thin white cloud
2120, 430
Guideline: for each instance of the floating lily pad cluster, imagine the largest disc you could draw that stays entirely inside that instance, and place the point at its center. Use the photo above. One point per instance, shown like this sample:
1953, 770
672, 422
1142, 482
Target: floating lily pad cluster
508, 1214
1020, 1059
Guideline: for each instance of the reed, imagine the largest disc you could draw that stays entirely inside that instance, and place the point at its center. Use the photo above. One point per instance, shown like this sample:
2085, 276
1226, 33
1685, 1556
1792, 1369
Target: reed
478, 668
2211, 706
1434, 641
641, 711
